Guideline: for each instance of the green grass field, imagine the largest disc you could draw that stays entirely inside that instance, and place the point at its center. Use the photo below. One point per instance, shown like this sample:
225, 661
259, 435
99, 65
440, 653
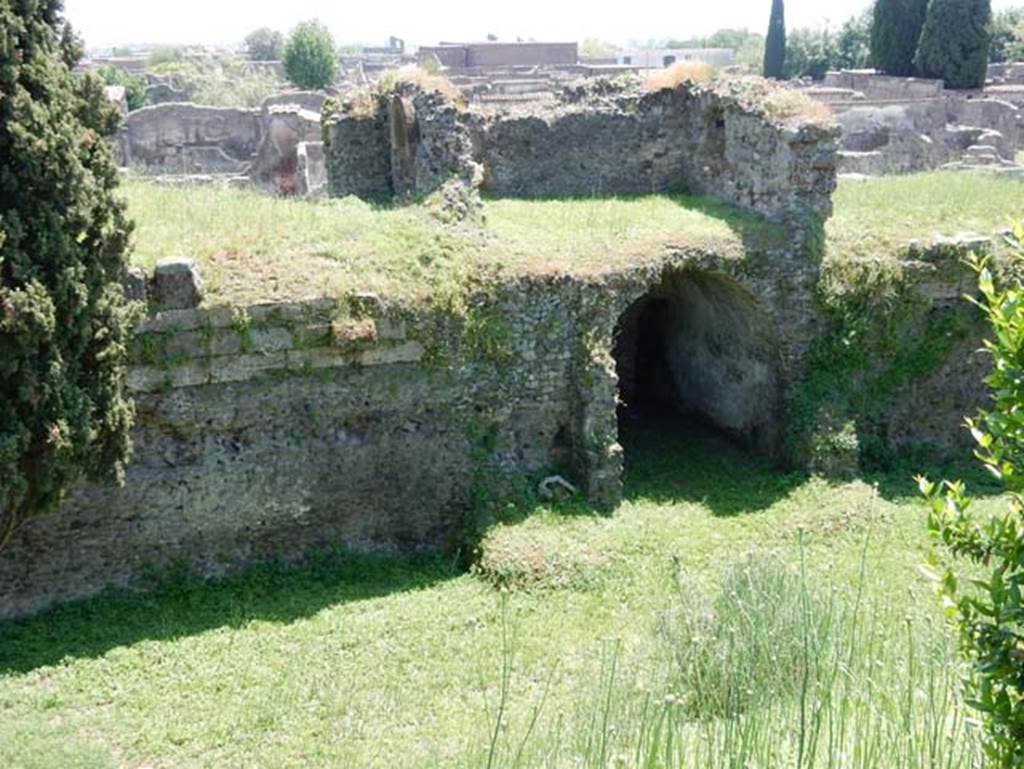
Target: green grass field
677, 631
256, 248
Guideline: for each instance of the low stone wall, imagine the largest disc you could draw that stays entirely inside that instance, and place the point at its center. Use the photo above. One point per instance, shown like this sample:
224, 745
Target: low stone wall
884, 87
688, 139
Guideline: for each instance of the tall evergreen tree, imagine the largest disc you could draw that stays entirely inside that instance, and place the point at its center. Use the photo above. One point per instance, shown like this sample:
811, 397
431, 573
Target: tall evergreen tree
955, 41
895, 30
64, 323
775, 43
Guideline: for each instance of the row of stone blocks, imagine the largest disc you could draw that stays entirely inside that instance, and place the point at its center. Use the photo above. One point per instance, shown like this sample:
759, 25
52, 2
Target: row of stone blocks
189, 347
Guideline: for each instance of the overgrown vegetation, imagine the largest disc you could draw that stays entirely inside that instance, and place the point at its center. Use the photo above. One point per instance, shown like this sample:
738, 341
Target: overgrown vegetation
220, 81
256, 248
989, 608
64, 323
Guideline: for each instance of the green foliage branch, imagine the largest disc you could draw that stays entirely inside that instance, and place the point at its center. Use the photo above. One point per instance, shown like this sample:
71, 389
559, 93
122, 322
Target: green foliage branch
987, 609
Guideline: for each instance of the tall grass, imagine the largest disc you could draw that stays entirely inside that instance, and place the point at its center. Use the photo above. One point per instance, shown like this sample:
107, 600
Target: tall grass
772, 669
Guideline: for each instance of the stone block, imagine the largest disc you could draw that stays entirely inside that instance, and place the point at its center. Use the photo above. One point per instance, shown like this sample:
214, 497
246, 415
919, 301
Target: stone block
409, 352
239, 368
134, 284
143, 379
176, 284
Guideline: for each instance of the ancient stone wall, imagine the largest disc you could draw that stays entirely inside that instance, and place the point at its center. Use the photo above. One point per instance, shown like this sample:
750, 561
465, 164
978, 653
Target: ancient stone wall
270, 431
687, 139
690, 139
927, 133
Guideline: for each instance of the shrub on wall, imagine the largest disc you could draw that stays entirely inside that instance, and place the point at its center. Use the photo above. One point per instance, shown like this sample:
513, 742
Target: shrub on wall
895, 30
310, 60
954, 42
63, 243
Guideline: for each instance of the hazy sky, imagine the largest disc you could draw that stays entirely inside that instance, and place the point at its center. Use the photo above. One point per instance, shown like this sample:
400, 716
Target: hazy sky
108, 22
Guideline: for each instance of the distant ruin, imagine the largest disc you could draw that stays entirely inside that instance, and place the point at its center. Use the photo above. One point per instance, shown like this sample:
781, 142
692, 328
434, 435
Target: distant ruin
902, 125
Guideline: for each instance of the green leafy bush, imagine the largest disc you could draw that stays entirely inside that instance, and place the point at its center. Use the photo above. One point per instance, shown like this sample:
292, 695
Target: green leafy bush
264, 44
895, 31
310, 60
954, 42
810, 53
1007, 36
64, 237
134, 85
988, 608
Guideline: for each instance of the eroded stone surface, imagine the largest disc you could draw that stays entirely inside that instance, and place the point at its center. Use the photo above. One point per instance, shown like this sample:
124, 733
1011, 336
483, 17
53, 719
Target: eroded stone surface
177, 284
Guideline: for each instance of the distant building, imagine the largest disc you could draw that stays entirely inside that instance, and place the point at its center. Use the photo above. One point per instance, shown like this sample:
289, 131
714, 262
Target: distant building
658, 58
495, 54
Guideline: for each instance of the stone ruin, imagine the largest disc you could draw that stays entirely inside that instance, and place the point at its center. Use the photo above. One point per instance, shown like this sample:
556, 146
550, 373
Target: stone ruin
277, 147
693, 139
903, 125
272, 430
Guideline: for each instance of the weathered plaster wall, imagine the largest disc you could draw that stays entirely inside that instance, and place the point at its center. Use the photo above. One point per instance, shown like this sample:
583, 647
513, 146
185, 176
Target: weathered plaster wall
186, 139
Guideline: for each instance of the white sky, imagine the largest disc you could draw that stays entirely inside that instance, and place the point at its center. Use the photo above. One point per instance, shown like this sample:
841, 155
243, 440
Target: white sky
109, 22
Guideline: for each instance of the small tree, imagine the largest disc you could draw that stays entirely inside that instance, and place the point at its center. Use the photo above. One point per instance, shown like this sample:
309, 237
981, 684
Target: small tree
775, 43
954, 42
988, 609
1007, 36
809, 53
264, 44
310, 60
895, 30
64, 323
853, 45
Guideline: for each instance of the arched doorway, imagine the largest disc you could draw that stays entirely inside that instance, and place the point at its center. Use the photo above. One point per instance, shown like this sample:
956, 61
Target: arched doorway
697, 349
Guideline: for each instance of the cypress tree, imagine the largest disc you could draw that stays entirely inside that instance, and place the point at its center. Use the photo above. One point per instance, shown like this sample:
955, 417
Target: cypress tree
64, 322
775, 43
955, 41
895, 30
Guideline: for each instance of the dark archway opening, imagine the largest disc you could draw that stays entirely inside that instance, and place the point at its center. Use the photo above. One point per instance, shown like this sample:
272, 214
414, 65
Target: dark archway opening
697, 358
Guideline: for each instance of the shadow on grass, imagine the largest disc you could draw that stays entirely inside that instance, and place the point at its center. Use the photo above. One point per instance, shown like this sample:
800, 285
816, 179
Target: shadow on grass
182, 606
671, 460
